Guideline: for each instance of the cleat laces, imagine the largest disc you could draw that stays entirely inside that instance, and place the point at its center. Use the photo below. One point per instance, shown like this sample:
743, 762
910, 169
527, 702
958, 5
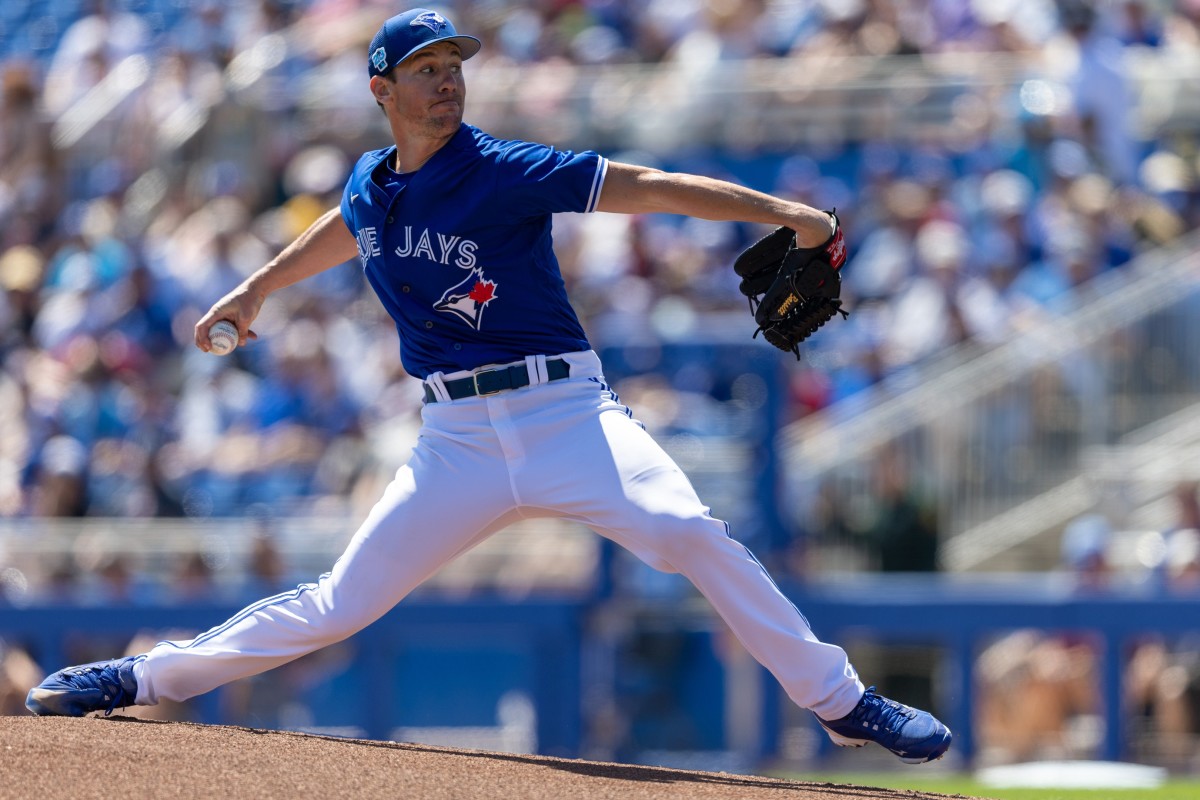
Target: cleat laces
99, 677
880, 713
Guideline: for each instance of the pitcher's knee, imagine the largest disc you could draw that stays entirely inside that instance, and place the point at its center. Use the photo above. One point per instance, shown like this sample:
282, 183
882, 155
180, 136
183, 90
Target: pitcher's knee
680, 540
339, 615
337, 624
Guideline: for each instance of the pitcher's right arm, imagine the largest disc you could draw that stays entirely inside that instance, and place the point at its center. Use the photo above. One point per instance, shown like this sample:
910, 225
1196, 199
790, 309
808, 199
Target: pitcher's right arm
325, 244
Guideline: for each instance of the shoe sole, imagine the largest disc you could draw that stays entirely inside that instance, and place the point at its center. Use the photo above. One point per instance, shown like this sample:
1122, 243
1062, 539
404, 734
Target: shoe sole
846, 741
38, 702
55, 703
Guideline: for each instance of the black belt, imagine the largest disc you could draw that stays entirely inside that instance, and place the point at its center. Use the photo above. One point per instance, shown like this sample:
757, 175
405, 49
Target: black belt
498, 379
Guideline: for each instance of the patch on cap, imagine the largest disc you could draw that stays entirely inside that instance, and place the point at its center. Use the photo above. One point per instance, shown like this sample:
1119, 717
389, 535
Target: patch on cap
379, 59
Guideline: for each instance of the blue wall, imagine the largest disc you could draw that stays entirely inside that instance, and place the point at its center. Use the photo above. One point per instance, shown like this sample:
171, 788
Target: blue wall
447, 663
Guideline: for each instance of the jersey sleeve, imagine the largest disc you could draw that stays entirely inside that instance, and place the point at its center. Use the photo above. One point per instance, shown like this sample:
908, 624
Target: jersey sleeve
347, 210
358, 185
538, 179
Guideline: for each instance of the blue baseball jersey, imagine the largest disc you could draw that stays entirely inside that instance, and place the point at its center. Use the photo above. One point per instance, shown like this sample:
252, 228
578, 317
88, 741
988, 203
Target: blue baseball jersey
460, 251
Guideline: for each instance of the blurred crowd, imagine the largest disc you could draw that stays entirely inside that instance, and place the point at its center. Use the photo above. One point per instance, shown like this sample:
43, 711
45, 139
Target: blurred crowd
1040, 692
154, 153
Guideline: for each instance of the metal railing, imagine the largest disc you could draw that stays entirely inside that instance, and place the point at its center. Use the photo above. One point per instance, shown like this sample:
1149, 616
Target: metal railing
1003, 440
1139, 475
536, 555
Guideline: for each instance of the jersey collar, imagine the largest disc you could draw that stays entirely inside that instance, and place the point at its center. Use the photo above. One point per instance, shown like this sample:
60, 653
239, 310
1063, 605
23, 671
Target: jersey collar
460, 141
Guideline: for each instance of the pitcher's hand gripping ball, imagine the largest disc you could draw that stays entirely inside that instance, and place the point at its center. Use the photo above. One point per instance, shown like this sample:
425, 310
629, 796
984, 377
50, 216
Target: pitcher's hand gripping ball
223, 336
793, 291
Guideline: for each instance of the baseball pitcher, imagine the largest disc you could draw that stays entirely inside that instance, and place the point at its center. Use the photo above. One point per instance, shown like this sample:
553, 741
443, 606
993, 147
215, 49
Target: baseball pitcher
452, 227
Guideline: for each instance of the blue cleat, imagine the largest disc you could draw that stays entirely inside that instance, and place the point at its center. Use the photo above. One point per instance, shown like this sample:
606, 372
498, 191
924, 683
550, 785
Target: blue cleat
76, 691
915, 736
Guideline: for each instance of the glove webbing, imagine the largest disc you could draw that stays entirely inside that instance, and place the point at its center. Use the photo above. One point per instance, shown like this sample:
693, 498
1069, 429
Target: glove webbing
801, 323
813, 309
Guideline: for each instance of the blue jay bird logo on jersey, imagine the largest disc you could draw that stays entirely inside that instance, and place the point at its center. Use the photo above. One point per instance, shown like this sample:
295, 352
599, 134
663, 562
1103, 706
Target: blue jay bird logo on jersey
430, 19
467, 299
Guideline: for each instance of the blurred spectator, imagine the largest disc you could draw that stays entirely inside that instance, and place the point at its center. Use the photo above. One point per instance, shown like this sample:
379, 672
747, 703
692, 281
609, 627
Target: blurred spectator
1033, 690
1039, 690
116, 579
1139, 23
1162, 679
119, 484
100, 31
1162, 684
17, 673
265, 571
1085, 552
59, 483
1183, 562
891, 523
1187, 505
902, 530
1100, 85
27, 174
192, 579
61, 583
928, 313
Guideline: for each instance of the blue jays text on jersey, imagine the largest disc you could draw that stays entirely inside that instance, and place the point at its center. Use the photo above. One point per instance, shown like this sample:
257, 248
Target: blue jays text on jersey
437, 247
460, 252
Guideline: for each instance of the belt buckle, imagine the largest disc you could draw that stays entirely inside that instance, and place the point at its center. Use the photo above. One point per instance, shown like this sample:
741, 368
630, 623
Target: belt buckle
475, 381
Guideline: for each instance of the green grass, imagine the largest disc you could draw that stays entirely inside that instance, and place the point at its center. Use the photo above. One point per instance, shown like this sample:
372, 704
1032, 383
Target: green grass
957, 784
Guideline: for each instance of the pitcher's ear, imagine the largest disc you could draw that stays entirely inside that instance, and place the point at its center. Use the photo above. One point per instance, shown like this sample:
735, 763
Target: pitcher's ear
380, 88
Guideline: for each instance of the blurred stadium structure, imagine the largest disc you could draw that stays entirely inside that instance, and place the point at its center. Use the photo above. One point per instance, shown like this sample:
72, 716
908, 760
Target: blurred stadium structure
1021, 185
1096, 409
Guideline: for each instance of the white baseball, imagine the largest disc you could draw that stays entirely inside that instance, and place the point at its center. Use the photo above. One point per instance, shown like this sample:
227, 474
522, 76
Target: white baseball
223, 336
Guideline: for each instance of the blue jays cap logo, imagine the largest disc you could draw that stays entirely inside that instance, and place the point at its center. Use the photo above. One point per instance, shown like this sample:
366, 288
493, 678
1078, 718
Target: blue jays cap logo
430, 19
379, 59
405, 34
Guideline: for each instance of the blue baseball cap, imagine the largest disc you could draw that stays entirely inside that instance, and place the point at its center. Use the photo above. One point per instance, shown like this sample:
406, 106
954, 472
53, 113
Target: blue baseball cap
405, 34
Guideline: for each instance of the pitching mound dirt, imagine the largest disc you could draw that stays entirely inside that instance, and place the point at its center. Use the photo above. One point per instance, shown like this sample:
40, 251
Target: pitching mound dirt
77, 759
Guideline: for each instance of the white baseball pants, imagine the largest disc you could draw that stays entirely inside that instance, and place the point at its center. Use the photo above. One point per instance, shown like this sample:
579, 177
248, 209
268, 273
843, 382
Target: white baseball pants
566, 448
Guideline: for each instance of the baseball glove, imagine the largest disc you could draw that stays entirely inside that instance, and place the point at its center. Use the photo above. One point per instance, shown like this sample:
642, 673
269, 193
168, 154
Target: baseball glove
792, 291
